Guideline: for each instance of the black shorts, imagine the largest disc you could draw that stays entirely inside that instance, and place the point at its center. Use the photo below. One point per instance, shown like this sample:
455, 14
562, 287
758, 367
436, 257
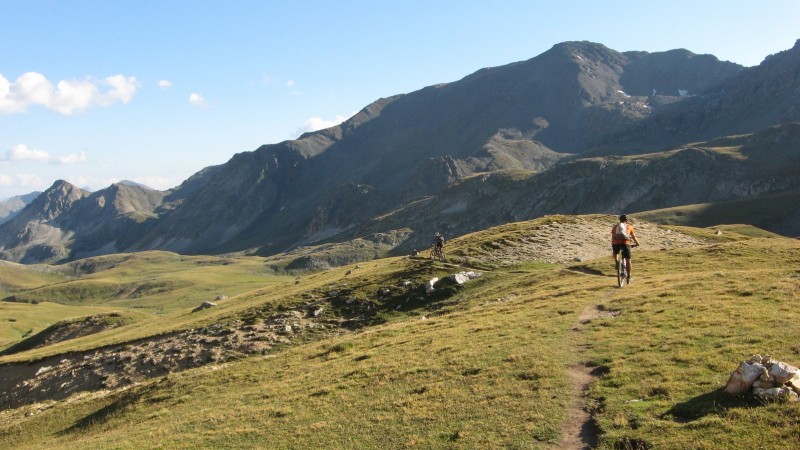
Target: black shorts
624, 248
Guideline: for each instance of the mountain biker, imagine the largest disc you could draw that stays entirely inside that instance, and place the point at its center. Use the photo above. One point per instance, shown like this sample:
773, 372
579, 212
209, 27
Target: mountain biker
438, 240
621, 236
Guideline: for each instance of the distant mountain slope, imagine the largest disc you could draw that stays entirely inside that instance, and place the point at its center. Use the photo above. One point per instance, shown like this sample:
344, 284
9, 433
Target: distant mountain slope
8, 208
66, 222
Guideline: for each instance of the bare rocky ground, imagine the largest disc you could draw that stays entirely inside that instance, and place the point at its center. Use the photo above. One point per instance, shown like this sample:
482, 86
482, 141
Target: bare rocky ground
575, 241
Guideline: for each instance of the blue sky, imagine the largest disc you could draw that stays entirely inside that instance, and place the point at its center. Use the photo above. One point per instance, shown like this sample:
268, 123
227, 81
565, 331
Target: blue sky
96, 92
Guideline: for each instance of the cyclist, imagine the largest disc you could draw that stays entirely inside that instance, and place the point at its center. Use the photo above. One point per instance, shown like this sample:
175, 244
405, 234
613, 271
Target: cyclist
621, 236
438, 240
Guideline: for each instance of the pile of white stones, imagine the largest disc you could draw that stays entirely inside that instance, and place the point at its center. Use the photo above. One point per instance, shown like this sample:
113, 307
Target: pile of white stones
768, 379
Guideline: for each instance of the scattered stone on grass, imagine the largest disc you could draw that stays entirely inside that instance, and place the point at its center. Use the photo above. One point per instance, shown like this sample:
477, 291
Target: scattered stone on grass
768, 379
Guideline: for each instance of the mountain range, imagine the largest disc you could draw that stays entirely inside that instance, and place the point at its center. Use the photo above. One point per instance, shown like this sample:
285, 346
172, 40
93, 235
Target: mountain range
578, 129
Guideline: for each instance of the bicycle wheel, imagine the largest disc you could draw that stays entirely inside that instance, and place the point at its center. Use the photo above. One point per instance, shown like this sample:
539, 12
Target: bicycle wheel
622, 273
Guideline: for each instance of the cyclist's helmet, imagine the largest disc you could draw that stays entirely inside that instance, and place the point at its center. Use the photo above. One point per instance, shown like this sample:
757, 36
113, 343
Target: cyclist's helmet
438, 234
623, 218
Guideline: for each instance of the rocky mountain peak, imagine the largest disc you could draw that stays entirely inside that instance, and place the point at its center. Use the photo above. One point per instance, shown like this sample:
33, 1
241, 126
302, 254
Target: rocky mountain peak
56, 199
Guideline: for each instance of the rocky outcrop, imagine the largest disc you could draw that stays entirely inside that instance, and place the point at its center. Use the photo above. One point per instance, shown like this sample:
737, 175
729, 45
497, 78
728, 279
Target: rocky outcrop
768, 379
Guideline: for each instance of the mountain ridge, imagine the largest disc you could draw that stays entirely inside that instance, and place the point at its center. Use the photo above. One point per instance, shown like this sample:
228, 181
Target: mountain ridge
578, 100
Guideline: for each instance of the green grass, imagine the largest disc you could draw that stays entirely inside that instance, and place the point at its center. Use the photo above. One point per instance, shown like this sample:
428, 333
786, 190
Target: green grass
21, 320
763, 212
483, 365
156, 282
15, 277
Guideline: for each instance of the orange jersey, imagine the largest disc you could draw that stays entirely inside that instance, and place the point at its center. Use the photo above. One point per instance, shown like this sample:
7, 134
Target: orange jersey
614, 239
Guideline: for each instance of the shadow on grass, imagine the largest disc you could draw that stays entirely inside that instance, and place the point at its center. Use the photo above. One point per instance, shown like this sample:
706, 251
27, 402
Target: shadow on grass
714, 402
122, 402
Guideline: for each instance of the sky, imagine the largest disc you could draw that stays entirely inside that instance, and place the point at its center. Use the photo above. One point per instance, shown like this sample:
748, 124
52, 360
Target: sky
95, 92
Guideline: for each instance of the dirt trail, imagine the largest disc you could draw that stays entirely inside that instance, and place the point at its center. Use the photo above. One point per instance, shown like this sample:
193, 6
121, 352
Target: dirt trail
579, 430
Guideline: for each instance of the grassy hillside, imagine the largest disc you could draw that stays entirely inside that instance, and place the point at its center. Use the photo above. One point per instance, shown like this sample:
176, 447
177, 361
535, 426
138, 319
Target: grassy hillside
137, 285
499, 362
156, 282
774, 212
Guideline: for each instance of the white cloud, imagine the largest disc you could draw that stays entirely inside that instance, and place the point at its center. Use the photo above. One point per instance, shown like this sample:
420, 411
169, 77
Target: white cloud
197, 100
20, 180
21, 153
68, 97
290, 83
164, 84
122, 90
73, 96
318, 123
71, 159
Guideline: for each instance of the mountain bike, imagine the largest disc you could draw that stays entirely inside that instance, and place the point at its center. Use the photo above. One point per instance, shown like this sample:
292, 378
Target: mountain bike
622, 269
437, 253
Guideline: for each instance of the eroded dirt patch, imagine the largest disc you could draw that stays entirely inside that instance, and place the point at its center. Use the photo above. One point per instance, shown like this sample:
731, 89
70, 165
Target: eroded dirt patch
569, 242
596, 312
114, 367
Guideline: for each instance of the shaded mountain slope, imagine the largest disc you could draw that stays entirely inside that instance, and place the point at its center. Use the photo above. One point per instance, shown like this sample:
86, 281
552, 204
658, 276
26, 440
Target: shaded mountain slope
755, 98
743, 167
411, 146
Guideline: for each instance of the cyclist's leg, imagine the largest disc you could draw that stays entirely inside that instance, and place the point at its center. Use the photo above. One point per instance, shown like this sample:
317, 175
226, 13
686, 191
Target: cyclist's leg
626, 253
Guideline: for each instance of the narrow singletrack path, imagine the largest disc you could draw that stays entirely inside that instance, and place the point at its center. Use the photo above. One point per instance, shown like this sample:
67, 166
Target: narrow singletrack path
579, 430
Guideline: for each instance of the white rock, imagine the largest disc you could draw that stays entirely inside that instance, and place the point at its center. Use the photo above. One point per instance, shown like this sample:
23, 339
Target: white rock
776, 393
429, 285
783, 372
743, 377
